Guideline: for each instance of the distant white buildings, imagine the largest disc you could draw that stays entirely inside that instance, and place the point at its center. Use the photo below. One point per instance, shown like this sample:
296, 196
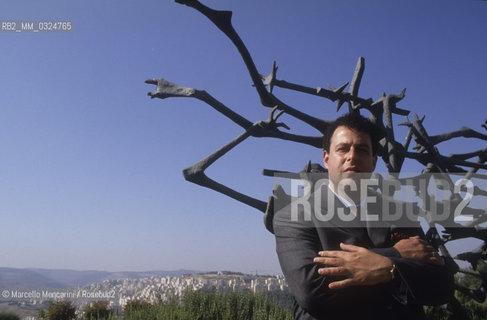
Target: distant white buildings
164, 289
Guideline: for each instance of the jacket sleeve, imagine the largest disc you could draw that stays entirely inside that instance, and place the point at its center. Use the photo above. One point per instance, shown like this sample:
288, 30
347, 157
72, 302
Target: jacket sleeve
420, 283
296, 248
415, 283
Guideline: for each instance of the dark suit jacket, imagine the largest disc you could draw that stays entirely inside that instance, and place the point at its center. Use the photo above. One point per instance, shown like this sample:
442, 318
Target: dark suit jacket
415, 285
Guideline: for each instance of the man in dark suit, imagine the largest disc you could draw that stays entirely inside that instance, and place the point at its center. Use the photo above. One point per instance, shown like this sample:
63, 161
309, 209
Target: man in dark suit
343, 267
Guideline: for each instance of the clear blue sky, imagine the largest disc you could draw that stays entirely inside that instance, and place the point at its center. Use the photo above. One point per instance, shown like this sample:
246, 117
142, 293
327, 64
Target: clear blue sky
90, 167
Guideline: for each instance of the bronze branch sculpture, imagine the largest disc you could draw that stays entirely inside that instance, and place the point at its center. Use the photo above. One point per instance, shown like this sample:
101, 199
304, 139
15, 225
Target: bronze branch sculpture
392, 152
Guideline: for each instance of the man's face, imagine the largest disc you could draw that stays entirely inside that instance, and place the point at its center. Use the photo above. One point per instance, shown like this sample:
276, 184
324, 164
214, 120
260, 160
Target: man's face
350, 153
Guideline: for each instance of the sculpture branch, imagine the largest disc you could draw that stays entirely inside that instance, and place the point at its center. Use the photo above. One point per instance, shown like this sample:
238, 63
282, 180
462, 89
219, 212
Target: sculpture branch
381, 112
354, 86
195, 174
223, 20
166, 89
462, 132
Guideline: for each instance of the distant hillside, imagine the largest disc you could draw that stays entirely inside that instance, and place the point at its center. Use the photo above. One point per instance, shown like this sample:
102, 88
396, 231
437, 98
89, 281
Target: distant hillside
25, 279
52, 278
73, 278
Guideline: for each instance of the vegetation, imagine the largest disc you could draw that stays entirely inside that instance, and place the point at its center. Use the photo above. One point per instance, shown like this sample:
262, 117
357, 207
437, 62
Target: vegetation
135, 306
213, 305
474, 310
8, 316
97, 310
58, 310
195, 305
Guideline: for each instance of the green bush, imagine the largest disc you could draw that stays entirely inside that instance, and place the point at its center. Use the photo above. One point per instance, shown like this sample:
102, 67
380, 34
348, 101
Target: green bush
135, 306
58, 310
97, 310
211, 305
8, 316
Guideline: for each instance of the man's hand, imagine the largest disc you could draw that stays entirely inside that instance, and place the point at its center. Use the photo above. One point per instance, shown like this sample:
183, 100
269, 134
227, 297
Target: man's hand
418, 249
362, 267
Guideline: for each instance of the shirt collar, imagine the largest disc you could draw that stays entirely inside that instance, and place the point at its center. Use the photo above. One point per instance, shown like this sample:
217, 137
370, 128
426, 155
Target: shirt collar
345, 202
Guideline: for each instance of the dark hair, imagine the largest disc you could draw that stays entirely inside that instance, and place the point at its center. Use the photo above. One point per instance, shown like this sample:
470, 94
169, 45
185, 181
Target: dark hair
355, 122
